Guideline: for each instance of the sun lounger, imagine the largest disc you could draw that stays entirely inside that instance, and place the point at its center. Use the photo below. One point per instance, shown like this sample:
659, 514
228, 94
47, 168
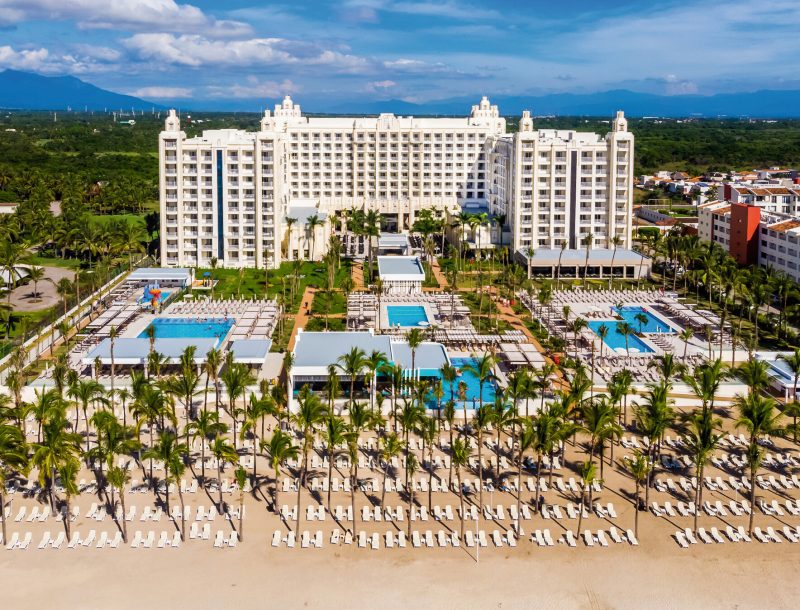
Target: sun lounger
46, 539
59, 540
401, 539
716, 536
601, 538
614, 534
482, 539
680, 538
468, 539
588, 539
290, 540
429, 539
759, 535
219, 539
773, 535
790, 535
632, 538
335, 537
496, 538
743, 534
25, 542
570, 538
415, 539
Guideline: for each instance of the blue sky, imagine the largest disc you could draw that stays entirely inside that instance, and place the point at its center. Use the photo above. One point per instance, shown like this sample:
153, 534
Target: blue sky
414, 50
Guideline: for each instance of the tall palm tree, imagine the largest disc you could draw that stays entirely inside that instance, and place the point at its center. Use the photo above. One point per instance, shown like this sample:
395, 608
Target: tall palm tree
280, 448
373, 364
758, 415
205, 427
483, 417
171, 453
587, 243
599, 421
460, 451
616, 241
118, 478
312, 222
703, 438
310, 412
211, 368
86, 392
412, 465
414, 338
352, 364
390, 447
58, 447
236, 377
755, 374
68, 473
13, 457
428, 430
334, 435
639, 467
223, 452
602, 332
705, 381
36, 275
588, 476
653, 417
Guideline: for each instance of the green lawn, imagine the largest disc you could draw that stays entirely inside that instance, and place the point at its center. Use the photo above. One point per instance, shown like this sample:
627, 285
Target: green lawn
18, 323
54, 261
335, 302
252, 282
318, 324
104, 219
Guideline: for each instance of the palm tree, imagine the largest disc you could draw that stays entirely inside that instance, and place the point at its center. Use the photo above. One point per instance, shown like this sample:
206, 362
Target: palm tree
599, 421
587, 242
602, 332
236, 377
483, 417
373, 364
411, 468
205, 427
85, 392
58, 447
223, 451
213, 263
616, 241
482, 367
68, 473
706, 380
280, 448
310, 412
352, 364
289, 223
701, 442
428, 430
526, 440
334, 435
118, 478
36, 275
211, 368
13, 457
667, 366
588, 476
641, 319
390, 447
639, 467
626, 330
414, 338
460, 451
171, 453
312, 222
686, 335
760, 417
754, 373
653, 417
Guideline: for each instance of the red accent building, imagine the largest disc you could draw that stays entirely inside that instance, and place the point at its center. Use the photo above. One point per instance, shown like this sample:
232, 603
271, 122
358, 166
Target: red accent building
745, 223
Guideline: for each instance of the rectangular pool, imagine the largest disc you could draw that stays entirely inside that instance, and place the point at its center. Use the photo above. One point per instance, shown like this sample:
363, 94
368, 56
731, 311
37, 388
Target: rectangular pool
406, 315
201, 328
653, 325
615, 340
472, 390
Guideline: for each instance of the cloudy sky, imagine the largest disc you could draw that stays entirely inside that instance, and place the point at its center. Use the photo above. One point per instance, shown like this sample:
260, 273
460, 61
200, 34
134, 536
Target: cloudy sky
414, 50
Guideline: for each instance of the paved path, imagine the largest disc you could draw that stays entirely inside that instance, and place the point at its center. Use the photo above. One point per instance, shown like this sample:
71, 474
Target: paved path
438, 274
357, 273
22, 297
302, 317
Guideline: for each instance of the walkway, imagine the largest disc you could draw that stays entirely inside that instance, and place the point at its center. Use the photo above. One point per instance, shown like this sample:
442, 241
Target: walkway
303, 315
438, 274
357, 273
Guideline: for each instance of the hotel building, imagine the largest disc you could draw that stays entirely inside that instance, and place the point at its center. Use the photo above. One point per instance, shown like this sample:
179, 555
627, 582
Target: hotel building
245, 197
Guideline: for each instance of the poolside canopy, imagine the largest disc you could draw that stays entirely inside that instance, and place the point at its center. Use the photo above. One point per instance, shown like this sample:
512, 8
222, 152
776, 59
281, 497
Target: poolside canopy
250, 351
132, 351
572, 262
162, 275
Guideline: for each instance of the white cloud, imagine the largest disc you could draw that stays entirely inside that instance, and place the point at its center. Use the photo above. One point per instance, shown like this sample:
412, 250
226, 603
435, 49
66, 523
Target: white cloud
26, 59
157, 92
196, 51
383, 84
43, 61
163, 15
97, 52
254, 88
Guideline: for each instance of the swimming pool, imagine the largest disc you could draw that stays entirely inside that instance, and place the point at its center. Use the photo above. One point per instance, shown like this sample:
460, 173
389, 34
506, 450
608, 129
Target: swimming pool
616, 340
653, 325
406, 315
200, 328
473, 386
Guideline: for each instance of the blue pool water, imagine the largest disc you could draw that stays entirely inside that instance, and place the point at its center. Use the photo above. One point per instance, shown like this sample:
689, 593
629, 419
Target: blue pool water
616, 340
201, 328
406, 315
654, 325
473, 386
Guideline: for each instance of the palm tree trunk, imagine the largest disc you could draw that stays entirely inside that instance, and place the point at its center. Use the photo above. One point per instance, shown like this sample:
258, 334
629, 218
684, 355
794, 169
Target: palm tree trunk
353, 479
636, 510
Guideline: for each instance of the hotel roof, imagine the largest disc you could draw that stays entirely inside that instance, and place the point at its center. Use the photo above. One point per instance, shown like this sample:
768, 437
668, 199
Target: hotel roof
319, 349
161, 274
785, 226
400, 268
135, 351
250, 351
572, 258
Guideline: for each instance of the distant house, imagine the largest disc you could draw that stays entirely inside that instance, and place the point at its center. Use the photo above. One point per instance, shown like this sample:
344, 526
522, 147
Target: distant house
8, 208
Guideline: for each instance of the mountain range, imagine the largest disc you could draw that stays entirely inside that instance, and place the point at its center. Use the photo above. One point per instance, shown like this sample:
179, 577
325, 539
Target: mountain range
29, 91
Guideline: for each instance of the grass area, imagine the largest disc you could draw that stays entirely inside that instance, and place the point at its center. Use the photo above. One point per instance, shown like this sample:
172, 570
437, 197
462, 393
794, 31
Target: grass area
53, 261
317, 324
24, 322
248, 283
104, 219
334, 302
280, 338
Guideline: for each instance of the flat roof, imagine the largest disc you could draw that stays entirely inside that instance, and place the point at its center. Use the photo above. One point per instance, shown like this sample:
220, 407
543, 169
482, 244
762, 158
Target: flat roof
392, 240
400, 268
319, 349
573, 257
154, 274
250, 351
302, 212
135, 350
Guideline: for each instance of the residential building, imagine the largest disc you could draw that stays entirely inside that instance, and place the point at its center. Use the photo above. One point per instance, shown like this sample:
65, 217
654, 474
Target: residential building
255, 198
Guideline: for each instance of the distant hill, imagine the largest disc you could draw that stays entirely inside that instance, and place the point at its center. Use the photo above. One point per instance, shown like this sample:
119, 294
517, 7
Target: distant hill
28, 91
25, 90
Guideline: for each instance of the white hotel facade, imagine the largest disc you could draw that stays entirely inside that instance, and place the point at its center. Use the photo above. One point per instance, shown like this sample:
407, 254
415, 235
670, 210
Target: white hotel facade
227, 194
